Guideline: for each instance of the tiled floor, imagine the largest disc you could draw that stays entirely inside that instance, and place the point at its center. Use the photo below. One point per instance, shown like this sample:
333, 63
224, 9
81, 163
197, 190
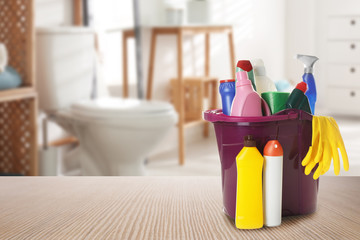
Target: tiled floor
202, 157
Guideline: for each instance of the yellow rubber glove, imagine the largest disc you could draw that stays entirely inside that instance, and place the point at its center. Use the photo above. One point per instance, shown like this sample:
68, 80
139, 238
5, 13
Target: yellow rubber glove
315, 150
334, 133
326, 140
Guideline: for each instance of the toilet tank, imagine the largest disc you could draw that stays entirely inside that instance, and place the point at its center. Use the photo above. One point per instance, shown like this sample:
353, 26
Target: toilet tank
65, 66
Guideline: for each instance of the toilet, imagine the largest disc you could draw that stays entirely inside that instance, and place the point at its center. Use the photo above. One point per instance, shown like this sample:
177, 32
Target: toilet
115, 134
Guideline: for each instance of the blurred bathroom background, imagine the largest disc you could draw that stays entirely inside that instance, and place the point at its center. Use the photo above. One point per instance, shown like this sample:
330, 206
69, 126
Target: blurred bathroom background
274, 31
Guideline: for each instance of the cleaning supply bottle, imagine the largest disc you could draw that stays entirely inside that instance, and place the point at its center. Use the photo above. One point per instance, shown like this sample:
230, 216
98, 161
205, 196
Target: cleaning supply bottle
262, 82
276, 100
309, 79
272, 183
297, 98
245, 65
227, 92
246, 101
249, 202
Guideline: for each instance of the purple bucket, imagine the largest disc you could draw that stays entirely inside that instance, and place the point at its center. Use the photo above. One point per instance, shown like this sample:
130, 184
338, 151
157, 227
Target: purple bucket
293, 129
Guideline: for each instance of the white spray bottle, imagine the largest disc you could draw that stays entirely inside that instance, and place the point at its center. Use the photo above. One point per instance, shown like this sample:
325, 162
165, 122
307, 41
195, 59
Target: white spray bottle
272, 183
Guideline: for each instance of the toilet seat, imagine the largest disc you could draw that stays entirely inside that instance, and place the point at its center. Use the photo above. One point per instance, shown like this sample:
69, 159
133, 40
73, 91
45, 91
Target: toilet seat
118, 107
118, 112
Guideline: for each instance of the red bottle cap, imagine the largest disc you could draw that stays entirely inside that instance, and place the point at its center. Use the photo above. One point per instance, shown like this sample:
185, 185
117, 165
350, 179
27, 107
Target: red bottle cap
302, 86
244, 65
273, 148
227, 80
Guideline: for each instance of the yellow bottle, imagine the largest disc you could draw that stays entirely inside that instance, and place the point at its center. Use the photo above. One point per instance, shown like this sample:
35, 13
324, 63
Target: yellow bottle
249, 208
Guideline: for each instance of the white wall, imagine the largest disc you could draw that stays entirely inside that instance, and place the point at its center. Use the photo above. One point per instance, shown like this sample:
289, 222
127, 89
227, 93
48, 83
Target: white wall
299, 34
301, 29
258, 33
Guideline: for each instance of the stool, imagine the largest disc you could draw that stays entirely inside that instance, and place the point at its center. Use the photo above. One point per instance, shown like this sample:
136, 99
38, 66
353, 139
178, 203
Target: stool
199, 93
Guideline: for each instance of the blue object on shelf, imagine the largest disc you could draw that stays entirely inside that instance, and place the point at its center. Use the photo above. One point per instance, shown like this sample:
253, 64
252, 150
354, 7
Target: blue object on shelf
9, 78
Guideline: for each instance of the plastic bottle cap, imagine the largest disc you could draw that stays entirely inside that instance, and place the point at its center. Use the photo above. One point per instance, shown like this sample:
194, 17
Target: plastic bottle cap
249, 141
302, 86
244, 65
227, 80
273, 148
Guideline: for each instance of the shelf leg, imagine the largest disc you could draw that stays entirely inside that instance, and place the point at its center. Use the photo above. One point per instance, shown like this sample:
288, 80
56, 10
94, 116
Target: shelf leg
151, 65
207, 73
181, 98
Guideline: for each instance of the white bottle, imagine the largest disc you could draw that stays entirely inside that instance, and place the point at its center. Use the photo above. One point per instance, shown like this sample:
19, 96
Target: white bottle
262, 82
272, 183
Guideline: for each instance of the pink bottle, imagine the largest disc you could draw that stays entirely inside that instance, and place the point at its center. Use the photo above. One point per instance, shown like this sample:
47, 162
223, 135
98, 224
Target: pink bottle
246, 102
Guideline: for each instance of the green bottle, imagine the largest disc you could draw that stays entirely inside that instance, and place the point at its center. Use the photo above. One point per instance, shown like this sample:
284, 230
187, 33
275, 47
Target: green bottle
297, 98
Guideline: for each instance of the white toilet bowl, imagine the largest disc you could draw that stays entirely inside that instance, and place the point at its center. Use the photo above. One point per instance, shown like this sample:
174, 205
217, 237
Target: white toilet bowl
116, 134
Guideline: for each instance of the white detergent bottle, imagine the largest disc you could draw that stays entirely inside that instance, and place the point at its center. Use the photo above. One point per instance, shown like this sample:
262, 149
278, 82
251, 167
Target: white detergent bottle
262, 82
272, 183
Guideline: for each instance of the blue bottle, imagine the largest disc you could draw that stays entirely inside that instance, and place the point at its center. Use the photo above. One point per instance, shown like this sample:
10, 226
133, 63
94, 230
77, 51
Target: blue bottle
309, 79
227, 92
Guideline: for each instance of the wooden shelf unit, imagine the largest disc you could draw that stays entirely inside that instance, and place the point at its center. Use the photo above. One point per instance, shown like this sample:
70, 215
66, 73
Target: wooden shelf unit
180, 32
18, 107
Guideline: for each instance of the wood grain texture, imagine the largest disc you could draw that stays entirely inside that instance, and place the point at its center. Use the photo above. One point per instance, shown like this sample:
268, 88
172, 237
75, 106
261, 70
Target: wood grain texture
158, 208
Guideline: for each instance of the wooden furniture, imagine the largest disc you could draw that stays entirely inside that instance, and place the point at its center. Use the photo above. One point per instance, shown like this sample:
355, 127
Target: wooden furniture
158, 208
179, 32
127, 34
78, 11
197, 89
64, 141
18, 107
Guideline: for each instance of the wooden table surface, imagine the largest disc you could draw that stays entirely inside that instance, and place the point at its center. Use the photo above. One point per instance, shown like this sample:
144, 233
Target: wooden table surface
157, 208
